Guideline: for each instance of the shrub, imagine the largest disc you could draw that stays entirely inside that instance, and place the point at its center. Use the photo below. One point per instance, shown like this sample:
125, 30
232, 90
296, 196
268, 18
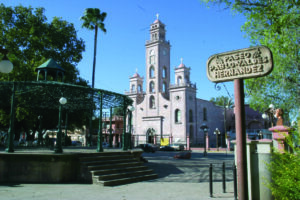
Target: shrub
285, 170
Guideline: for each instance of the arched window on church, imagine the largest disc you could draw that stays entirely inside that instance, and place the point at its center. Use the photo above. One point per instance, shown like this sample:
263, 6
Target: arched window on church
152, 102
191, 115
177, 116
187, 79
133, 88
140, 89
164, 72
151, 72
164, 87
151, 87
179, 80
152, 57
204, 114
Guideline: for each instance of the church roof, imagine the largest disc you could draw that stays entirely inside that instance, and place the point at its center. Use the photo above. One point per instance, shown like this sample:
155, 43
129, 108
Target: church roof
156, 21
136, 75
181, 65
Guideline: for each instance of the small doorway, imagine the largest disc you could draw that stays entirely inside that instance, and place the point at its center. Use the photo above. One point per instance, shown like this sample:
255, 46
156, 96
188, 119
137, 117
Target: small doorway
150, 136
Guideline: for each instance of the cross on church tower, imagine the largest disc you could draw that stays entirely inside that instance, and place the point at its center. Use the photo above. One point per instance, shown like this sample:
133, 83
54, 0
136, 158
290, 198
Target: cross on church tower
157, 16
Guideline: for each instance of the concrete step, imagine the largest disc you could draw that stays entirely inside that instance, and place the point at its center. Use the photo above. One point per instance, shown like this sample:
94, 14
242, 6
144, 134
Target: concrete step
127, 180
106, 162
118, 170
113, 166
123, 175
108, 157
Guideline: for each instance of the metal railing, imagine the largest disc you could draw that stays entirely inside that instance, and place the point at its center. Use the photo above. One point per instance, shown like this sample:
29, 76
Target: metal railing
192, 85
223, 172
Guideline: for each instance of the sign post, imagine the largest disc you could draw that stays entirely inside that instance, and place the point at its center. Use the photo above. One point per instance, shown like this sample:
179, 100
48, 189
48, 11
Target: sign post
237, 65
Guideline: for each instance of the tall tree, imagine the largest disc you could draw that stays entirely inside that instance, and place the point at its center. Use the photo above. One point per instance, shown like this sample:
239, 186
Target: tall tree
275, 24
31, 40
92, 20
222, 101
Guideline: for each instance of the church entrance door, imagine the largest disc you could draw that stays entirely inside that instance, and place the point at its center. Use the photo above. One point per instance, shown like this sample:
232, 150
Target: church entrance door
150, 135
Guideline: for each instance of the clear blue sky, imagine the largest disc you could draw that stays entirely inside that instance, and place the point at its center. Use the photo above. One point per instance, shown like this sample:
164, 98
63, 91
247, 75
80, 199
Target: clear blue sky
194, 31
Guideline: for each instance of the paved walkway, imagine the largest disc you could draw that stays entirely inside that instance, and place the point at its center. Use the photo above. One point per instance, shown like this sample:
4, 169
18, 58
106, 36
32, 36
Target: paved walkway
177, 180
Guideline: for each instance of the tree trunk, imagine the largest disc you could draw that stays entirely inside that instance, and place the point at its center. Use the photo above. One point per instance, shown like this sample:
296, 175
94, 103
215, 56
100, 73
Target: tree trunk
95, 52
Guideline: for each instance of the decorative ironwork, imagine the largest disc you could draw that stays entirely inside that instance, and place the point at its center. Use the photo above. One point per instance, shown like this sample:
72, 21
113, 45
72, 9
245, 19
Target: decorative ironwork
45, 95
218, 87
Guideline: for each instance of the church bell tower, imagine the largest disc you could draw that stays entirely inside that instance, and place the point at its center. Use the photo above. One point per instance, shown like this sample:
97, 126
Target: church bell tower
157, 62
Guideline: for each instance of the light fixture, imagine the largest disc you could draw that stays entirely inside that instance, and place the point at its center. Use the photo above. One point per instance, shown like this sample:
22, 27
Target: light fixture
62, 100
131, 108
217, 131
5, 65
264, 116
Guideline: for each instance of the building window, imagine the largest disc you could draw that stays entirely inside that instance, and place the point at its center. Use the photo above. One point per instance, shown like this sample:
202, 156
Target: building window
164, 87
151, 87
179, 80
204, 114
133, 88
152, 60
140, 88
187, 79
177, 116
152, 102
164, 72
151, 72
190, 116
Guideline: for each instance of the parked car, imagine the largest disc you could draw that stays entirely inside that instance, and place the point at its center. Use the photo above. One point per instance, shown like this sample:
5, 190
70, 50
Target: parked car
177, 147
76, 143
155, 147
166, 148
105, 144
147, 147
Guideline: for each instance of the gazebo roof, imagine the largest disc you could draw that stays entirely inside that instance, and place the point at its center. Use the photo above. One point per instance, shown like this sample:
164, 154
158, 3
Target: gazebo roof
51, 65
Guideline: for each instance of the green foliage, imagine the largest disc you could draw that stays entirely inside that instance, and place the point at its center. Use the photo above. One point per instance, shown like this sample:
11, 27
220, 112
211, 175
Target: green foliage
93, 19
275, 24
118, 111
222, 101
31, 40
285, 170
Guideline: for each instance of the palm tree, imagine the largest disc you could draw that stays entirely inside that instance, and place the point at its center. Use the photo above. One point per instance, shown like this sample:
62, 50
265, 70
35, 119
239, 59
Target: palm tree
92, 20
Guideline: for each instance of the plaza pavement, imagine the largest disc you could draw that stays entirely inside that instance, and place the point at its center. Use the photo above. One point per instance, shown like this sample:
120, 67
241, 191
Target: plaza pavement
178, 179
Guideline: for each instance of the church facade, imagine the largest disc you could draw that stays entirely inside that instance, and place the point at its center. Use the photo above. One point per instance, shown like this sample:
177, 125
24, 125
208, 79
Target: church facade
168, 113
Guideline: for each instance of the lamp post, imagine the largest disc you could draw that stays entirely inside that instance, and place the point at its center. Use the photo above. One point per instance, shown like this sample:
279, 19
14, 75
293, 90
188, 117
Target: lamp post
217, 132
100, 138
269, 114
260, 135
205, 129
130, 110
58, 146
6, 67
110, 128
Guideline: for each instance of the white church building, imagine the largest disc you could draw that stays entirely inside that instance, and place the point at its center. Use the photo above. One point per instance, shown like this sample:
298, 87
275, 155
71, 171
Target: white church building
167, 113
